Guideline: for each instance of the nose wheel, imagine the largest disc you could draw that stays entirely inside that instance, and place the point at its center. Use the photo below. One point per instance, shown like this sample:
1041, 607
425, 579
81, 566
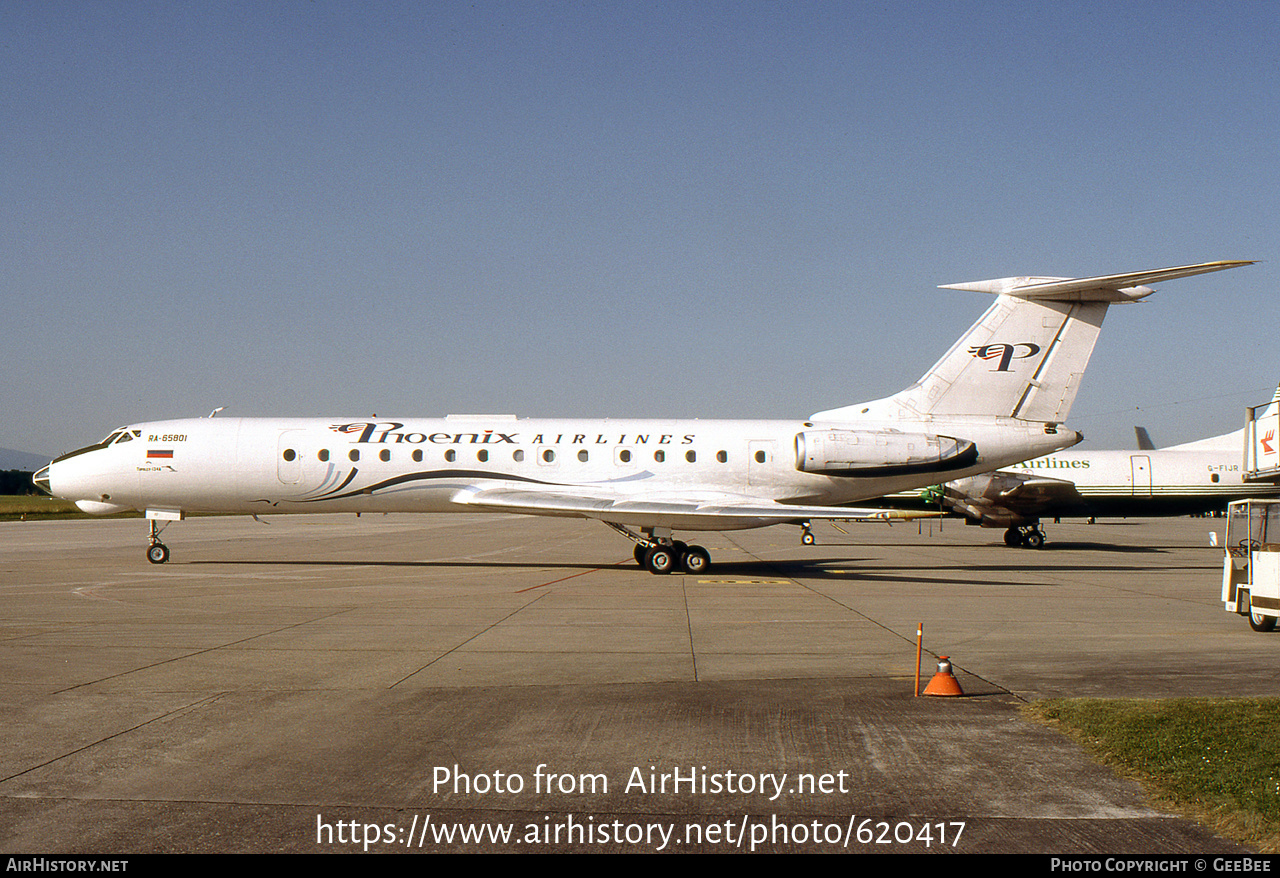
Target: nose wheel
157, 552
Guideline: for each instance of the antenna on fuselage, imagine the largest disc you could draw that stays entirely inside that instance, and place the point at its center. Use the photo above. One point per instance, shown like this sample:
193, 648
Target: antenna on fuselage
215, 411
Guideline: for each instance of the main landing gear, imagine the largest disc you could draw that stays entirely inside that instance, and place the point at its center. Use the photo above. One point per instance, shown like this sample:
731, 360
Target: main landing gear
1027, 537
661, 558
658, 553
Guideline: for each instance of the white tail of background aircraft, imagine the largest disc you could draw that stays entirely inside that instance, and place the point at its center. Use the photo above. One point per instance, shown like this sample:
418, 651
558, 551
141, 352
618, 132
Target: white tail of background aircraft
998, 396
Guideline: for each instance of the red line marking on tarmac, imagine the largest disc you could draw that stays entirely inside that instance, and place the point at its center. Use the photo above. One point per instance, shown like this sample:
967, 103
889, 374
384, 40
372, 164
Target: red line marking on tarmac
563, 578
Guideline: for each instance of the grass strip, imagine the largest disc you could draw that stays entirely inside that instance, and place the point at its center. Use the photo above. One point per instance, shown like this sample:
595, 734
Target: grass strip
1215, 760
30, 507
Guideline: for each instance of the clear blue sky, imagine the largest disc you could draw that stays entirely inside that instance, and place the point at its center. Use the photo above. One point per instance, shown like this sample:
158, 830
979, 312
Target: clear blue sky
618, 208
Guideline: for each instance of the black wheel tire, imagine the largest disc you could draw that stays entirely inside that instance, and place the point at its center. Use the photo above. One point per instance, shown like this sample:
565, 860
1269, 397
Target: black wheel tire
1012, 538
660, 560
1260, 622
806, 538
696, 560
157, 553
1034, 540
640, 552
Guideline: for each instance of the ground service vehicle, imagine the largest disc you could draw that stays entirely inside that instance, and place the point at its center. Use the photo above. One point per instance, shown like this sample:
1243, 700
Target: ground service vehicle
1251, 563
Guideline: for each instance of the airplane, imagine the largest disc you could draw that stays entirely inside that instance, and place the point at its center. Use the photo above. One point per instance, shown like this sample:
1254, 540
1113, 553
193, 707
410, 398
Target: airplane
1187, 479
998, 396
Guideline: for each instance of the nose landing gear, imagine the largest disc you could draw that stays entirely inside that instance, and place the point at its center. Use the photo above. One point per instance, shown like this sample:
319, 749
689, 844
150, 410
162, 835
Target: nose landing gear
157, 552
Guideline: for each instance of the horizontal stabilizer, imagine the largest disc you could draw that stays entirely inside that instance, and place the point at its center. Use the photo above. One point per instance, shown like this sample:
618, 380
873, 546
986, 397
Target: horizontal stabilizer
1106, 288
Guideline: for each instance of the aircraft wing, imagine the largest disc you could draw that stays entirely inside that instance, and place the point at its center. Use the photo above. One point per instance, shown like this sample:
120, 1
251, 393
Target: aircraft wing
687, 512
998, 496
1039, 493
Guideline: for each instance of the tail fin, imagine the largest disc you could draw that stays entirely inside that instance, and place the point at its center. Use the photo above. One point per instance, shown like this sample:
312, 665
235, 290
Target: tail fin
1025, 357
1022, 359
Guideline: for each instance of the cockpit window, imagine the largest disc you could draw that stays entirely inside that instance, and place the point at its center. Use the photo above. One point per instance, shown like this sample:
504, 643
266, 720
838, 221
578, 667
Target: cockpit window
121, 435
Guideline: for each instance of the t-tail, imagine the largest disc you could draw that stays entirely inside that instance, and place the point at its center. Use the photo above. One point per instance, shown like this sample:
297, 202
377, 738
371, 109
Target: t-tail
1025, 357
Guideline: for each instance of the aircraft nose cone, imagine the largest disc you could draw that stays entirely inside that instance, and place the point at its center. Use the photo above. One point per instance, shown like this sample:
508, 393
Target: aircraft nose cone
82, 479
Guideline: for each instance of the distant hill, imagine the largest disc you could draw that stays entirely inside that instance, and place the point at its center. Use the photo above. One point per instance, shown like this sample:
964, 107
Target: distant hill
24, 460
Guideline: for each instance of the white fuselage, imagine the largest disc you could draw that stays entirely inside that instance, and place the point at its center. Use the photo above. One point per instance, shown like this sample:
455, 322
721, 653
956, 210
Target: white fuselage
252, 465
1165, 481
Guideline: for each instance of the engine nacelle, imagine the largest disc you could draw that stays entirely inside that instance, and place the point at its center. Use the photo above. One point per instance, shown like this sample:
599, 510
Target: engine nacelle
880, 453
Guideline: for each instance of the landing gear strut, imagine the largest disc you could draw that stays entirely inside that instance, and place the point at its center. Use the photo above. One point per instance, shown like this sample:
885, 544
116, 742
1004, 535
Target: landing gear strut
806, 535
1027, 537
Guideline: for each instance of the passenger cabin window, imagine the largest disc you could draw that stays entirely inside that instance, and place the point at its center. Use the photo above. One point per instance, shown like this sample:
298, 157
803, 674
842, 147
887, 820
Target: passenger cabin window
451, 455
482, 455
548, 455
624, 455
384, 455
582, 455
722, 456
323, 455
691, 456
518, 455
760, 457
290, 454
417, 455
354, 455
659, 456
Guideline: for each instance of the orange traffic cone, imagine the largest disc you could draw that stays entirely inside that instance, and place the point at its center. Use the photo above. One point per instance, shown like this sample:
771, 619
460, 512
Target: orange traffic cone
943, 682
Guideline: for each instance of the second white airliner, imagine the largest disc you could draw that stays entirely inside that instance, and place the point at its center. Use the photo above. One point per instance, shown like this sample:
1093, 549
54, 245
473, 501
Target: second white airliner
1187, 479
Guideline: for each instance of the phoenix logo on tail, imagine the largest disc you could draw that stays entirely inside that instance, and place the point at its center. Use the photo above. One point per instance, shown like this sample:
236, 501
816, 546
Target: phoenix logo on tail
1006, 353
